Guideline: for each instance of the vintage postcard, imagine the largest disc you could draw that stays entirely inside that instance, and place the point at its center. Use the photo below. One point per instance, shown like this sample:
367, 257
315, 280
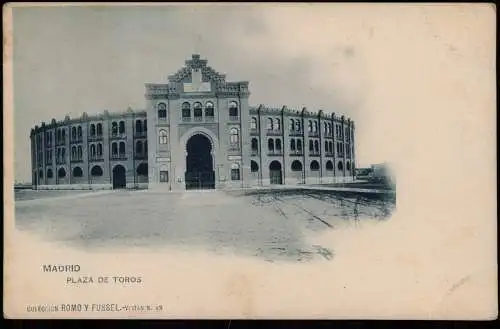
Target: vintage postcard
332, 161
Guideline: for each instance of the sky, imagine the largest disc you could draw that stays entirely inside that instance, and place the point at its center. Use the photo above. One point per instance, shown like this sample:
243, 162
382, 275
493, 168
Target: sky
347, 59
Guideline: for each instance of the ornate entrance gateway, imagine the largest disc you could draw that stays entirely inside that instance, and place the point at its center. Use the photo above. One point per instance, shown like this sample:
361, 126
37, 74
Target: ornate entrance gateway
199, 163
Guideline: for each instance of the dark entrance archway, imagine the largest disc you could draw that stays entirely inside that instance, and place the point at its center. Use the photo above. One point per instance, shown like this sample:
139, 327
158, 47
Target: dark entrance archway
119, 178
275, 175
199, 163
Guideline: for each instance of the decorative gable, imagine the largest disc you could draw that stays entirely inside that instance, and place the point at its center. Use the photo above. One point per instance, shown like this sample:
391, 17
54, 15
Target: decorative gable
197, 76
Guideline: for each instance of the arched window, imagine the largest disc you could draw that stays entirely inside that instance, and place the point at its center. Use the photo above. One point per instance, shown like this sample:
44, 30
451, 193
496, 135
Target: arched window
270, 144
329, 129
311, 145
99, 149
277, 125
315, 126
254, 167
253, 123
162, 111
330, 147
186, 110
142, 169
348, 165
122, 127
197, 109
235, 171
58, 135
92, 130
329, 165
326, 146
50, 174
63, 154
92, 151
99, 129
73, 133
77, 172
114, 148
233, 109
292, 144
278, 144
138, 147
296, 165
316, 146
80, 132
209, 109
96, 171
310, 126
299, 145
63, 135
234, 137
163, 138
73, 152
325, 128
314, 165
138, 127
297, 126
255, 144
122, 148
292, 125
61, 173
269, 124
340, 166
80, 153
114, 128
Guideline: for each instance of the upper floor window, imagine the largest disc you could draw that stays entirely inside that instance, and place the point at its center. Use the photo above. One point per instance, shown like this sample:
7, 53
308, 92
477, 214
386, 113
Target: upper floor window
197, 109
292, 125
299, 145
234, 136
277, 125
138, 147
270, 124
209, 109
253, 123
114, 148
114, 128
122, 148
186, 110
270, 144
316, 146
138, 126
99, 129
122, 127
278, 144
163, 137
73, 133
255, 144
162, 111
310, 126
233, 109
315, 126
99, 149
80, 132
292, 144
311, 145
297, 126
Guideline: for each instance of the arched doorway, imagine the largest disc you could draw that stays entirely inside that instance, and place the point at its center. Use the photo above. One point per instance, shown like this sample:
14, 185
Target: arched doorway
119, 179
199, 163
275, 175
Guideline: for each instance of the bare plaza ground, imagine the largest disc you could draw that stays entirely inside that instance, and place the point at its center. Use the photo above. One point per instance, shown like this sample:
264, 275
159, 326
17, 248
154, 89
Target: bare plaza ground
269, 224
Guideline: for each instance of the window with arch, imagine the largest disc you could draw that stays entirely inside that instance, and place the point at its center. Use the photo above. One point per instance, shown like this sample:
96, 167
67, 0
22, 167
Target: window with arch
315, 126
348, 165
255, 145
299, 145
77, 172
209, 109
270, 144
329, 129
63, 155
138, 147
73, 152
50, 174
253, 123
278, 144
311, 145
254, 167
80, 153
163, 137
114, 128
292, 125
197, 110
186, 110
99, 129
296, 165
114, 148
61, 173
235, 171
310, 126
277, 125
58, 135
73, 133
298, 126
316, 146
80, 132
162, 111
329, 165
330, 147
233, 109
326, 146
122, 127
99, 149
234, 137
138, 127
92, 151
325, 128
122, 148
314, 165
292, 144
63, 135
269, 124
340, 166
96, 171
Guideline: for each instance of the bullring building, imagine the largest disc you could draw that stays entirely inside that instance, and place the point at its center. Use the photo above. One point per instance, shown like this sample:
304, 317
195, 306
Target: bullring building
197, 131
